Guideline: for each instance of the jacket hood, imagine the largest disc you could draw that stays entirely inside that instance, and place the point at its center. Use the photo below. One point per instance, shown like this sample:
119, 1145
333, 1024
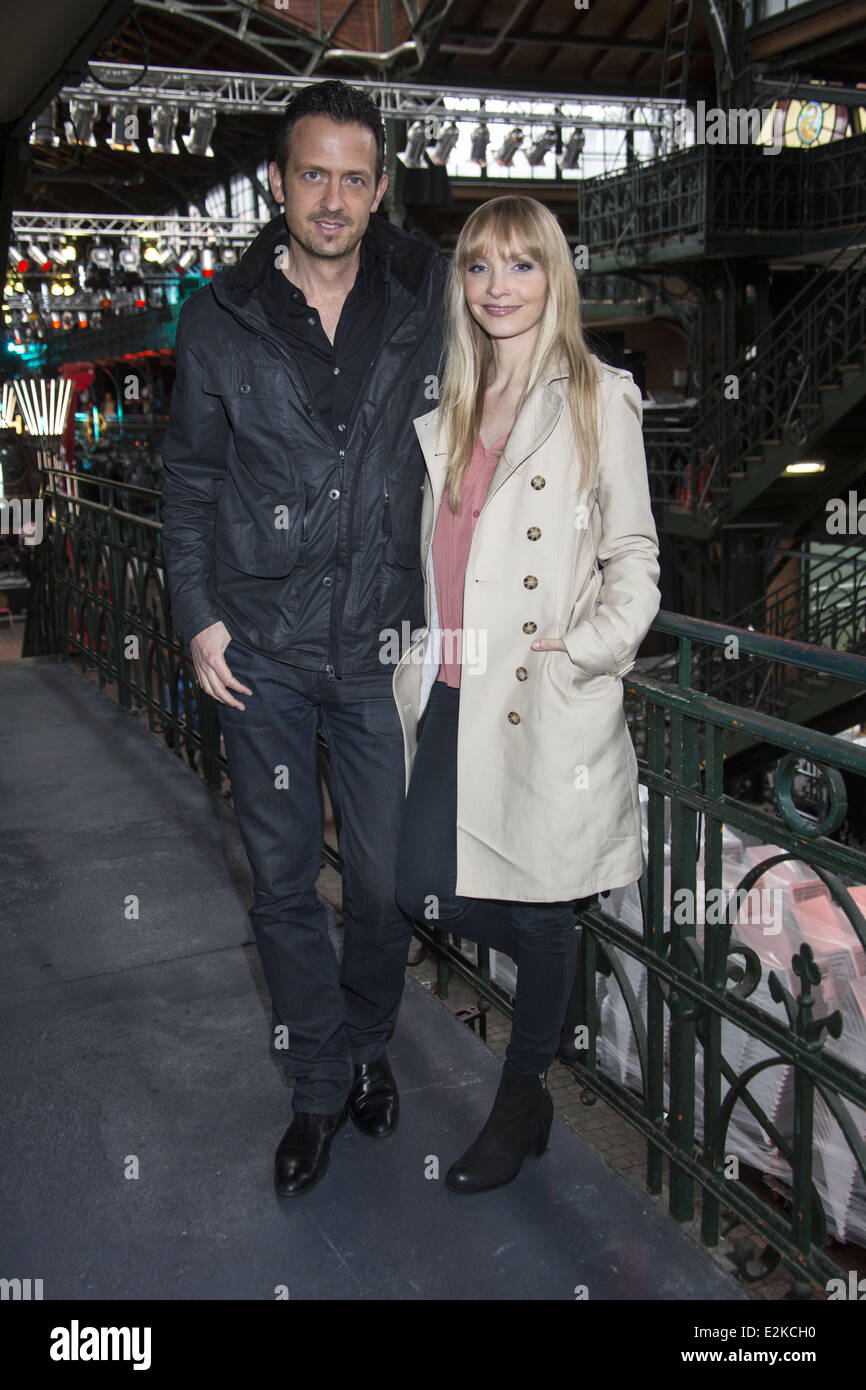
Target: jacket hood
409, 259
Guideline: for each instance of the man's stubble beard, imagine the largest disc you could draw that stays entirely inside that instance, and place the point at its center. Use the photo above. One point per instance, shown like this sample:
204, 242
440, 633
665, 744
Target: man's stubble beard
323, 253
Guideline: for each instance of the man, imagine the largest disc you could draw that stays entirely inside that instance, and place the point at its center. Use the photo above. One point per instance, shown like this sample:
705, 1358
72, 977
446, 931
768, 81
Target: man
291, 509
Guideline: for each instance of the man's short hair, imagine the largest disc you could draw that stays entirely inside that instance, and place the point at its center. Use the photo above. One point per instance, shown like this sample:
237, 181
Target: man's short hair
340, 103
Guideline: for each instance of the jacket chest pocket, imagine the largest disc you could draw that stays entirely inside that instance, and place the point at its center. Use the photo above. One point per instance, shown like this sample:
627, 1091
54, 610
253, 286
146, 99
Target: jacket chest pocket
254, 397
260, 514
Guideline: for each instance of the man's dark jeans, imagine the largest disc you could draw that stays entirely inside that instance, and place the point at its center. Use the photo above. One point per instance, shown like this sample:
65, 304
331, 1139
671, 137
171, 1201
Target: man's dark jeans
334, 1018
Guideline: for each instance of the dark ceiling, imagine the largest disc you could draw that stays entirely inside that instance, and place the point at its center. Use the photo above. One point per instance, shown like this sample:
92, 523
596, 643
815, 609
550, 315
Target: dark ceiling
615, 49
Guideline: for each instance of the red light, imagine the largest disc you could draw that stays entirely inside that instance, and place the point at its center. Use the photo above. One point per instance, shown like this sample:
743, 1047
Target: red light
23, 267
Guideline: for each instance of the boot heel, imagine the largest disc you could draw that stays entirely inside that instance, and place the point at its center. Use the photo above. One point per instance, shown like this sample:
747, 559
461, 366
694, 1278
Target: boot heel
543, 1141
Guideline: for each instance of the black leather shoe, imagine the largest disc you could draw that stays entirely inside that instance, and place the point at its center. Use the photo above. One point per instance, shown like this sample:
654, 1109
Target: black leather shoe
304, 1151
373, 1100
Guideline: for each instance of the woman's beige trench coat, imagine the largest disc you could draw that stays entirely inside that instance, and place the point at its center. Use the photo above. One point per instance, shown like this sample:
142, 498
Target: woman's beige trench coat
547, 796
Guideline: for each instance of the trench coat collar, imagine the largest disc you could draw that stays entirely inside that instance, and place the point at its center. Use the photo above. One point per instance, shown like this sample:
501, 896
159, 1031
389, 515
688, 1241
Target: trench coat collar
534, 424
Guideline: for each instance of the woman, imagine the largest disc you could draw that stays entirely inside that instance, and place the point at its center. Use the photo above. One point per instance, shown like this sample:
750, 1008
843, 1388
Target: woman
521, 775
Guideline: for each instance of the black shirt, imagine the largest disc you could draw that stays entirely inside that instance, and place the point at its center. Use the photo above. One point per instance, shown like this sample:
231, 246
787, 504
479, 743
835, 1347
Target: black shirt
334, 374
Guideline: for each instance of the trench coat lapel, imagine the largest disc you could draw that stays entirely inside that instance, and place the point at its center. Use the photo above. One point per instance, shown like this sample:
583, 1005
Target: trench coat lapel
534, 424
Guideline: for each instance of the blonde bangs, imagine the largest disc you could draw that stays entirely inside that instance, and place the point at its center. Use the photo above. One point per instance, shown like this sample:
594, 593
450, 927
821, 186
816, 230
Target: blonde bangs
505, 226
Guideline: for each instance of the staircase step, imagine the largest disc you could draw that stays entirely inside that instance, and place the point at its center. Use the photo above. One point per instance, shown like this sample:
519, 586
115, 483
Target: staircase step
852, 367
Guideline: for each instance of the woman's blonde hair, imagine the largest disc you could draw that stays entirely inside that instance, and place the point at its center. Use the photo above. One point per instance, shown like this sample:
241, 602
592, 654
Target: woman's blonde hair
514, 226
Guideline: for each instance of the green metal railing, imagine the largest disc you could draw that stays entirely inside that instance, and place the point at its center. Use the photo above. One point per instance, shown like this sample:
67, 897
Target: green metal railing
99, 595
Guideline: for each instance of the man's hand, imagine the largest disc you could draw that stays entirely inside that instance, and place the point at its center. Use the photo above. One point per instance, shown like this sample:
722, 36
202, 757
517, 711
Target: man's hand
211, 668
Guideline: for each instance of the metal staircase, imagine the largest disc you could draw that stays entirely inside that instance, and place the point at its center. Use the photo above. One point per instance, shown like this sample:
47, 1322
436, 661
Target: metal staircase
824, 604
783, 395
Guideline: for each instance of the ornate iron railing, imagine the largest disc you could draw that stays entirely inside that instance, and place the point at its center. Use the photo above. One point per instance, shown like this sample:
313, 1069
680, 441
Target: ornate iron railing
690, 983
705, 198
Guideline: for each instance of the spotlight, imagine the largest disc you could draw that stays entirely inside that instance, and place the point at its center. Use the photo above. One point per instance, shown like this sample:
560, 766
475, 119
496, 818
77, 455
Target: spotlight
44, 128
510, 146
537, 153
207, 261
229, 255
574, 149
66, 318
163, 120
139, 298
39, 258
82, 319
56, 287
129, 259
68, 289
445, 144
188, 259
416, 141
480, 140
69, 251
19, 260
161, 255
82, 118
124, 127
202, 123
101, 257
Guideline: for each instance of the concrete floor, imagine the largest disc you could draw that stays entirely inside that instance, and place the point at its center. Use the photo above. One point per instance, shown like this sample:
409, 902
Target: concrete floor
141, 1105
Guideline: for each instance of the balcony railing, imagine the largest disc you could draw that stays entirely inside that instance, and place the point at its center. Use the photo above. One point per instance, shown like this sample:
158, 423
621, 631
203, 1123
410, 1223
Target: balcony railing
731, 1022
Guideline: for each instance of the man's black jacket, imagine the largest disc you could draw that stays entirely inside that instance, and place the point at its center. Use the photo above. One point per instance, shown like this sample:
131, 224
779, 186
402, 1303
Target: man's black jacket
305, 555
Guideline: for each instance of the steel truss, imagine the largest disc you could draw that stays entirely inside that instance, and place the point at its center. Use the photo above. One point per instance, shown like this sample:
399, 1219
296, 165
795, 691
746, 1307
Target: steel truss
266, 94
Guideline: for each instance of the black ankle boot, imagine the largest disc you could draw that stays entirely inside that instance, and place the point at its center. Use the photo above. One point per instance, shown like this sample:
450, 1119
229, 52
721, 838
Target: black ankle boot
518, 1124
303, 1152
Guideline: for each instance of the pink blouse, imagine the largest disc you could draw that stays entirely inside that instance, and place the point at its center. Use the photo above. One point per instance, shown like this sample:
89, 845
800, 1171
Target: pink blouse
452, 539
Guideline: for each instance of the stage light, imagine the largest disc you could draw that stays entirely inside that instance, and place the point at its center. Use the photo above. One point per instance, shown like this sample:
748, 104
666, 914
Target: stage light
416, 140
480, 140
82, 118
229, 255
69, 251
124, 127
163, 120
188, 259
44, 128
207, 261
19, 286
129, 259
56, 288
202, 124
39, 257
574, 149
101, 257
82, 319
19, 260
68, 289
139, 297
513, 140
537, 153
445, 144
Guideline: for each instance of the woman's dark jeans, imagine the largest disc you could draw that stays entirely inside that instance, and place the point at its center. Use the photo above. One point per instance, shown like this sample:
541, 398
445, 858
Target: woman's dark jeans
539, 937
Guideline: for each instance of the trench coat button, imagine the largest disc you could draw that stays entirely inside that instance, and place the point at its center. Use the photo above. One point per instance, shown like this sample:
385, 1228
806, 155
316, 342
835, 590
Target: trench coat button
513, 717
520, 673
538, 482
245, 386
530, 627
334, 493
533, 533
530, 582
